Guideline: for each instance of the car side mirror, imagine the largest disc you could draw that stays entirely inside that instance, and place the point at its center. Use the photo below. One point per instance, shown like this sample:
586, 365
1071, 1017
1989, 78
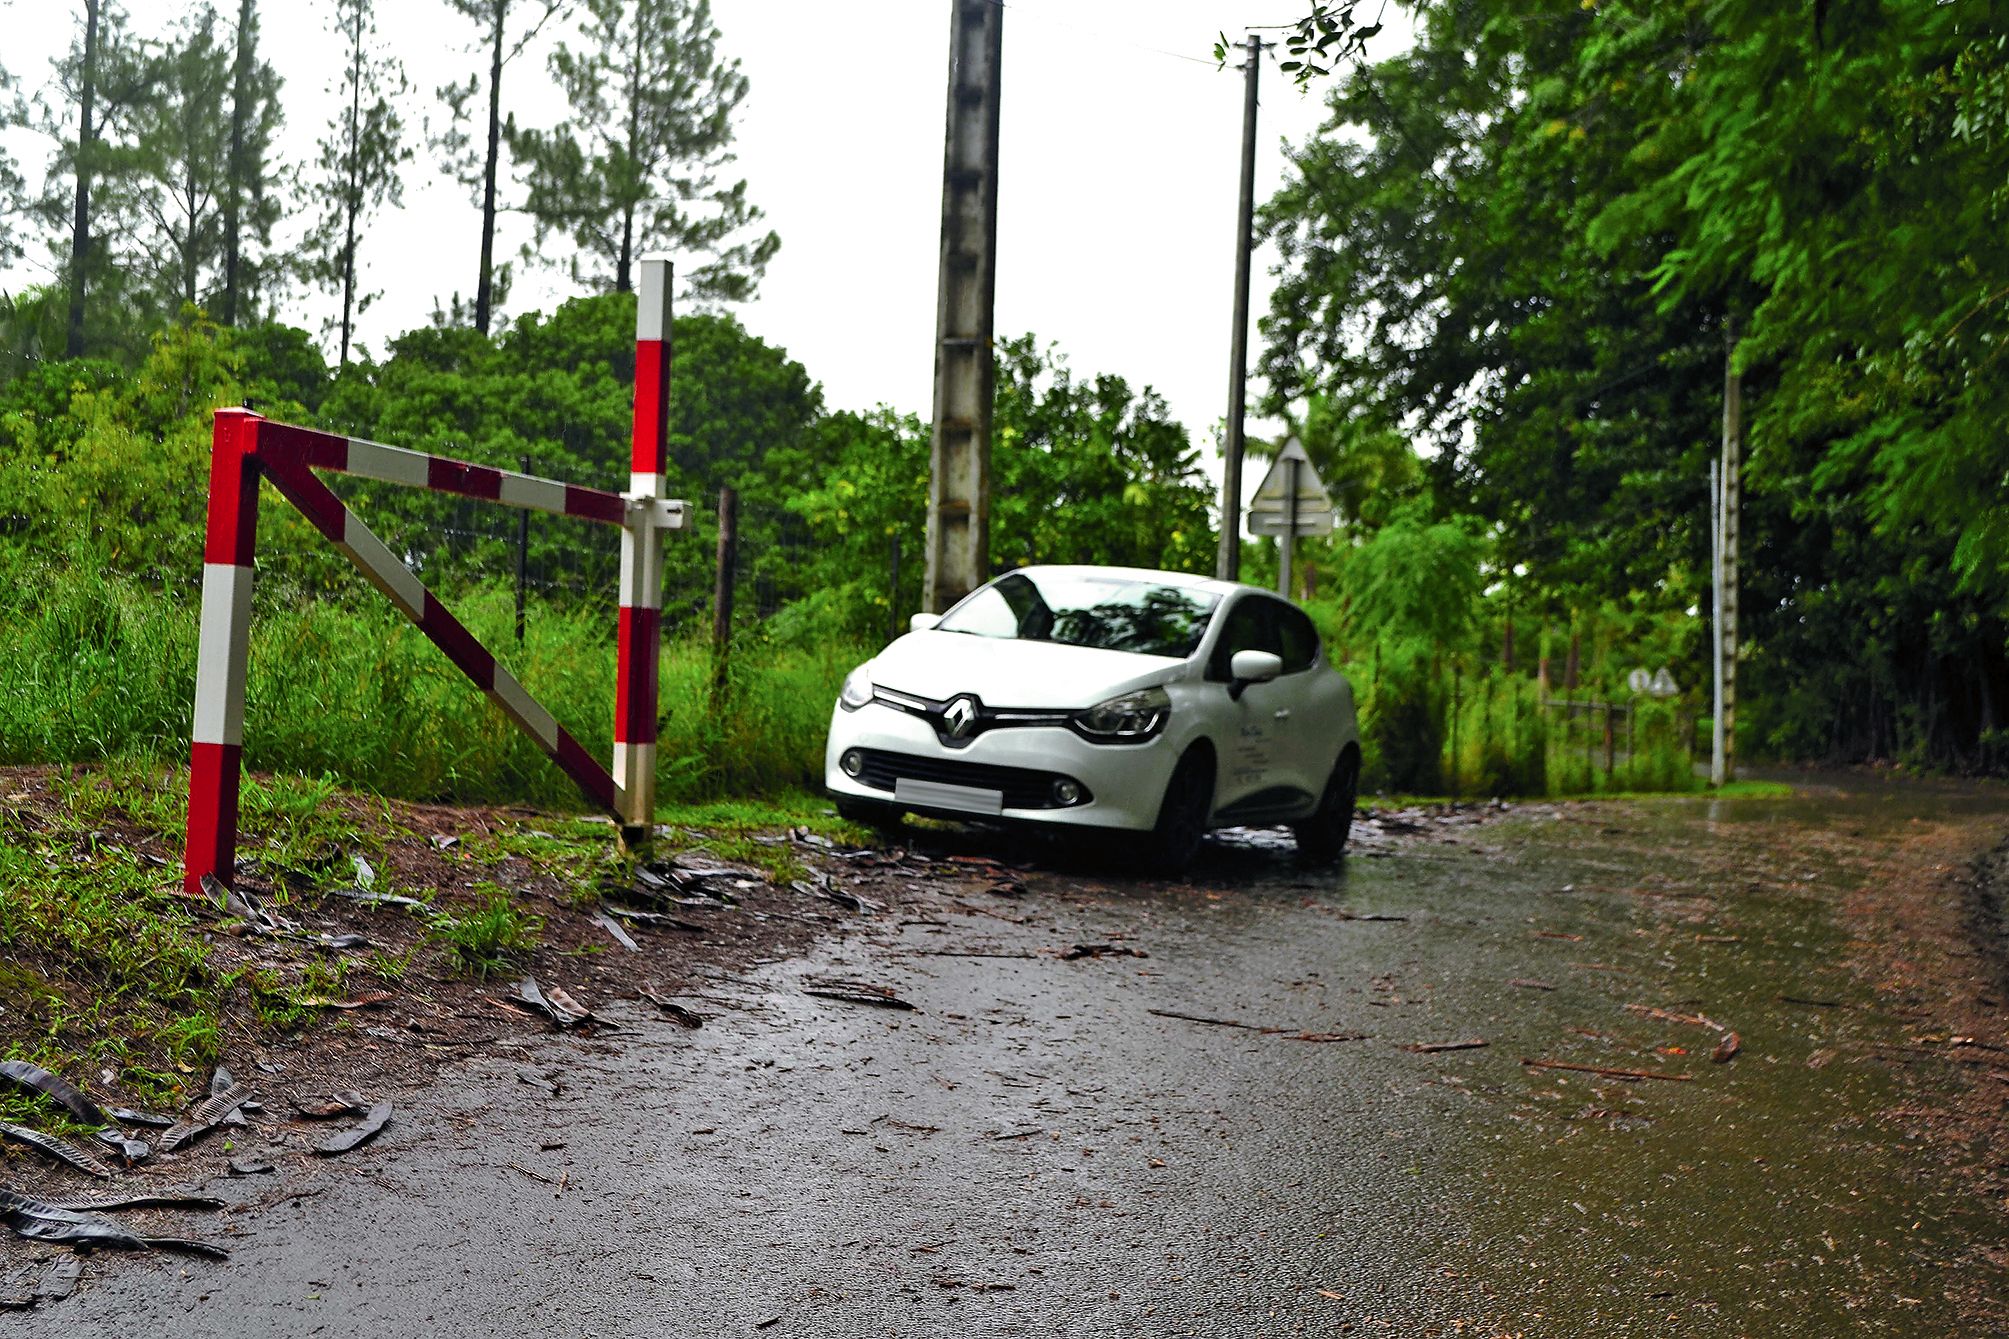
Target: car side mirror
922, 622
1247, 667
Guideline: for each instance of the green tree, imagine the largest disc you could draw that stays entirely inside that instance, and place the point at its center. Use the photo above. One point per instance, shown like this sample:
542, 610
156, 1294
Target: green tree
250, 205
1090, 471
866, 502
1410, 603
559, 389
181, 135
360, 162
1438, 276
636, 166
13, 198
1838, 179
1535, 256
87, 109
474, 164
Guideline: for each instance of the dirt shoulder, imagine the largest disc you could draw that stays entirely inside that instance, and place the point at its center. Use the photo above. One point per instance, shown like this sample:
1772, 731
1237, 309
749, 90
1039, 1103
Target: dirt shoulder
376, 941
1931, 941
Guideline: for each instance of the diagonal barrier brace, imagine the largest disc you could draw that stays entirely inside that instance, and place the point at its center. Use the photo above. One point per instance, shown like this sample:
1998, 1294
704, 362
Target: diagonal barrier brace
318, 503
246, 447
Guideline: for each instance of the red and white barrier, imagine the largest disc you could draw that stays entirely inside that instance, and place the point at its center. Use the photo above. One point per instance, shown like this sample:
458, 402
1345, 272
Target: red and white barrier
641, 624
246, 446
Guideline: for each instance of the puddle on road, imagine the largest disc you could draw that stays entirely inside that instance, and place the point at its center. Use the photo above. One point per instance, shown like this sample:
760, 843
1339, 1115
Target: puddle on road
1778, 1193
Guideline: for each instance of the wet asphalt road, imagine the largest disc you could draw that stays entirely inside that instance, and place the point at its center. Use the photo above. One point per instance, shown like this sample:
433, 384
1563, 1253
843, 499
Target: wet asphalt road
1035, 1152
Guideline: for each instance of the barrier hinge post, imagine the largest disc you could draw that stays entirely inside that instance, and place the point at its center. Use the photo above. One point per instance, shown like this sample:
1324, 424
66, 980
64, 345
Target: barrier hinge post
640, 634
216, 753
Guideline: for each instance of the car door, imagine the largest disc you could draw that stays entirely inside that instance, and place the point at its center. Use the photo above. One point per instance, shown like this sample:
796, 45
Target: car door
1252, 727
1310, 743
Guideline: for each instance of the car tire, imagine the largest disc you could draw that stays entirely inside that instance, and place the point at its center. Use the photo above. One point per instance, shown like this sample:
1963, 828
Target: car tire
1182, 816
879, 817
1321, 839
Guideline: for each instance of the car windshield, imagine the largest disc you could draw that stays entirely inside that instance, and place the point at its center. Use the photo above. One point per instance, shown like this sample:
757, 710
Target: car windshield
1115, 613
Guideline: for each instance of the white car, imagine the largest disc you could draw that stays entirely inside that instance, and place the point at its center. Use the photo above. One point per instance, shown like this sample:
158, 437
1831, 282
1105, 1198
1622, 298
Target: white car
1104, 697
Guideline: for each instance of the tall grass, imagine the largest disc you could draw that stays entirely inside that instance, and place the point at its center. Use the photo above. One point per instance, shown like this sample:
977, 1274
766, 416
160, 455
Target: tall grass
1434, 728
102, 666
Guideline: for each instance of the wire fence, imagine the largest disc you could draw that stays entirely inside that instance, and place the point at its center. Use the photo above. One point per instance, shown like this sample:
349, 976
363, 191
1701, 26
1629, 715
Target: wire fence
557, 562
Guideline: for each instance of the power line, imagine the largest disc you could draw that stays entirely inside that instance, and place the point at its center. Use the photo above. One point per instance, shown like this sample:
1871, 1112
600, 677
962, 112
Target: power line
1103, 35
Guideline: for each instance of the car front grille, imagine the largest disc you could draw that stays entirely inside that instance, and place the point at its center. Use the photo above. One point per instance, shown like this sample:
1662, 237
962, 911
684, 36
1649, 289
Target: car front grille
1023, 787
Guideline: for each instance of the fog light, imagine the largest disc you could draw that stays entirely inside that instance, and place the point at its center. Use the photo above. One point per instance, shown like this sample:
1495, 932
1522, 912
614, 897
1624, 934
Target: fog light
1066, 791
853, 762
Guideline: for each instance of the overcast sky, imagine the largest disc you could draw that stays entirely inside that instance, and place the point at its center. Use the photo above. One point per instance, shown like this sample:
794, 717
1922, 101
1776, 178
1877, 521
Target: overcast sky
1120, 142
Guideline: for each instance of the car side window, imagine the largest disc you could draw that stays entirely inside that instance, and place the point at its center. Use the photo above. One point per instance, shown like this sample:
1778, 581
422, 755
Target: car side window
1250, 627
1298, 638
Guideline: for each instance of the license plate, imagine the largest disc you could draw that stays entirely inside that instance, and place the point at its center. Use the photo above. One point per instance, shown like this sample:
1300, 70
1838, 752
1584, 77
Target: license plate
938, 795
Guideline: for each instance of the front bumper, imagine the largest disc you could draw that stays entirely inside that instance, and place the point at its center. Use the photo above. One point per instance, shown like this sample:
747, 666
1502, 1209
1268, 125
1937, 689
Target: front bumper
1124, 782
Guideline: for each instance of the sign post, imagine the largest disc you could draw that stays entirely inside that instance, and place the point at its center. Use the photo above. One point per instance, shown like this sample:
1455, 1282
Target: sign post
1290, 502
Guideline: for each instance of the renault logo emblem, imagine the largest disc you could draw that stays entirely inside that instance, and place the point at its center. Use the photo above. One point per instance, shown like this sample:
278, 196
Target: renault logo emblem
958, 717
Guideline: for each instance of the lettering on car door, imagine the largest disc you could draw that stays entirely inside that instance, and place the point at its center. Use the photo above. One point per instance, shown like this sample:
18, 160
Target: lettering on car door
1251, 741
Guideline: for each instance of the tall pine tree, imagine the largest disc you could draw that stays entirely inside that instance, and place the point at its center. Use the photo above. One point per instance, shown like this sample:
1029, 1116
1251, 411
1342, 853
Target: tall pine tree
360, 160
183, 142
12, 113
246, 200
636, 167
88, 110
476, 165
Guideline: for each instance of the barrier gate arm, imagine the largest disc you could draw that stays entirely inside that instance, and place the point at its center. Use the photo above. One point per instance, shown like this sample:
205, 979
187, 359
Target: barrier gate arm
245, 446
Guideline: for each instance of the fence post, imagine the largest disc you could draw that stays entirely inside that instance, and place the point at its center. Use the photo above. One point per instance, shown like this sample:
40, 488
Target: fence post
640, 636
217, 747
1457, 684
722, 587
522, 558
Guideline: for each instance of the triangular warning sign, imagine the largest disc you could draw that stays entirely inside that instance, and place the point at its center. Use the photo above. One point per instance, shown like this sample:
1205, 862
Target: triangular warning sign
1273, 494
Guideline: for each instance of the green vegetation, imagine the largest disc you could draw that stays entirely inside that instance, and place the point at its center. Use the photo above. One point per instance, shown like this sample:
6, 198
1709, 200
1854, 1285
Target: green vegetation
491, 936
1500, 331
99, 960
1532, 241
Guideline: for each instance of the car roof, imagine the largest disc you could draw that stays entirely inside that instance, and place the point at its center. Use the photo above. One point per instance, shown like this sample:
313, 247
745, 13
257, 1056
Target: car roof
1181, 580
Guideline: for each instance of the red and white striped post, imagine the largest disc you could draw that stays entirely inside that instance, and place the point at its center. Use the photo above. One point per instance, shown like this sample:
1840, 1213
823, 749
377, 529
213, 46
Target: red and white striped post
641, 617
218, 737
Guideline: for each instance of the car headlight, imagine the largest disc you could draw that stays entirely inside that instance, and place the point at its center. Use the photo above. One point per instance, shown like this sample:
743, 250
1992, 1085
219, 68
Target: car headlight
857, 689
1128, 719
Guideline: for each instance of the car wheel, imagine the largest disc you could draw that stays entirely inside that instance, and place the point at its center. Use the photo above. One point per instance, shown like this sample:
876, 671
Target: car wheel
1182, 816
880, 817
1322, 837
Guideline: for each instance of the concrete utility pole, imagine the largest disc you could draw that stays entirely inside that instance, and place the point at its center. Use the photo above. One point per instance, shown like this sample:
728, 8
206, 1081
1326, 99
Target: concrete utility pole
959, 462
1723, 767
1228, 566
